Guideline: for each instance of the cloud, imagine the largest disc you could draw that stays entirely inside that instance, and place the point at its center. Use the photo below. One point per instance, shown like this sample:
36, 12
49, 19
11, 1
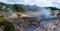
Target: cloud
56, 3
41, 3
3, 1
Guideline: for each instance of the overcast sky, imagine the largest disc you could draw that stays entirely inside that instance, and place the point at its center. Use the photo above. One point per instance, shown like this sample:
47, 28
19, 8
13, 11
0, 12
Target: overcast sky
41, 3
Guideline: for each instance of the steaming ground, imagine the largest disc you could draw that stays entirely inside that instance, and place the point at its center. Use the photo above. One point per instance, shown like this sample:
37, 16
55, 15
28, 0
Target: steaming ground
49, 25
44, 14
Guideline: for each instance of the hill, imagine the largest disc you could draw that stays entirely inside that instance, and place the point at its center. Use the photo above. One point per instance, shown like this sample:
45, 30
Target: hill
21, 7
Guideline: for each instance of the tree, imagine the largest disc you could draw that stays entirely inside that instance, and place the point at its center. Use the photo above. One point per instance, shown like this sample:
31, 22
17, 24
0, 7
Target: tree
18, 8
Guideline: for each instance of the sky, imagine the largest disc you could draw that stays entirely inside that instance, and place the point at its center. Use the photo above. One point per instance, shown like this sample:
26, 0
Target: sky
41, 3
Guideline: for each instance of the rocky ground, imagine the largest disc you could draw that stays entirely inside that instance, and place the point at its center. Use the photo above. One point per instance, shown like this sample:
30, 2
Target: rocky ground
45, 25
49, 25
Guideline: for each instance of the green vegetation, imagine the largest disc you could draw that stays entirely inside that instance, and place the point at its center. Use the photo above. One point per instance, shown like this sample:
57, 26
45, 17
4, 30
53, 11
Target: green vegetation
1, 18
18, 8
22, 7
13, 7
54, 8
8, 26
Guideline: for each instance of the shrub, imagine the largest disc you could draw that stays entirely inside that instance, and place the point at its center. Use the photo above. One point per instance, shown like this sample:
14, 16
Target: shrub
8, 26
